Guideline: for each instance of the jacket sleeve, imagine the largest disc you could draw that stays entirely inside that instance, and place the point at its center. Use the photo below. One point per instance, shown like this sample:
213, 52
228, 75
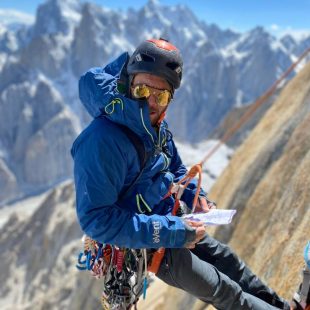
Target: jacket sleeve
179, 170
100, 168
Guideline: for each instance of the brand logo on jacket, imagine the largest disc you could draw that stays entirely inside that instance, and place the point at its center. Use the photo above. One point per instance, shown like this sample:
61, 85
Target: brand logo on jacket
156, 231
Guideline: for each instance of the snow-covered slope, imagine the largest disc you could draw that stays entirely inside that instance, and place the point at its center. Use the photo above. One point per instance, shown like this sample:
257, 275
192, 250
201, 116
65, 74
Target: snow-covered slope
11, 18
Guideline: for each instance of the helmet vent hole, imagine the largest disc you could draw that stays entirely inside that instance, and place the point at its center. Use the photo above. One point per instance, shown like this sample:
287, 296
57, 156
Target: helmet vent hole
147, 58
174, 66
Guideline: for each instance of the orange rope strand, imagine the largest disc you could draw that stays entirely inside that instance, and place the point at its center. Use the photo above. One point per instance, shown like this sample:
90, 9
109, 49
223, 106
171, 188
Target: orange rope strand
229, 133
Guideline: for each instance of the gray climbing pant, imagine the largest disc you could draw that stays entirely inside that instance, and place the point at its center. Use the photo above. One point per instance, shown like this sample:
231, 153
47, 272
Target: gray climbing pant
215, 275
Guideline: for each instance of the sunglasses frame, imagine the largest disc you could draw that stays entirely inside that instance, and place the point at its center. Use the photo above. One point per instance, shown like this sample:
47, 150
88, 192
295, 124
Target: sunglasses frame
151, 92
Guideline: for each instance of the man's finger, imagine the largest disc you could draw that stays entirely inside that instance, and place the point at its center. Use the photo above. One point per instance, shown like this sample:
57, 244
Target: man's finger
194, 223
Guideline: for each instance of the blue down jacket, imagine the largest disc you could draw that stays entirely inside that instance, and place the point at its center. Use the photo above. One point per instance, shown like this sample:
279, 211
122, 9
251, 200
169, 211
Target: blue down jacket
106, 162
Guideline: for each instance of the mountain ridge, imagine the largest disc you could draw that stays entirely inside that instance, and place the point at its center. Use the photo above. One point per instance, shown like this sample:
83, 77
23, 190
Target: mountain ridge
222, 69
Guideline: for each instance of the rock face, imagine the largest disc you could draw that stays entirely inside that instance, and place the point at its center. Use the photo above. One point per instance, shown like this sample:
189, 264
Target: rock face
37, 130
232, 118
8, 183
267, 181
39, 256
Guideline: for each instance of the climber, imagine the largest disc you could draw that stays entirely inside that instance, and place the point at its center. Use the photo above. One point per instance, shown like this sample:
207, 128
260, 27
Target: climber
122, 196
301, 299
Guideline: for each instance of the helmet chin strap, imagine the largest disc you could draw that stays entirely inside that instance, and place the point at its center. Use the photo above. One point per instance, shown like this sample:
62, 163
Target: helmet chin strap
129, 81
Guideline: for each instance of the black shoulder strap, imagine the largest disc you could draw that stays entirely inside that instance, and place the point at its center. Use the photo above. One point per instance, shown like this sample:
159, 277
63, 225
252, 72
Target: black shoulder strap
142, 154
137, 143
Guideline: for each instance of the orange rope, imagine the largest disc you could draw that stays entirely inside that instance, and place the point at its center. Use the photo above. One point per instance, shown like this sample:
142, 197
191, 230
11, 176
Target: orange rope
229, 133
194, 170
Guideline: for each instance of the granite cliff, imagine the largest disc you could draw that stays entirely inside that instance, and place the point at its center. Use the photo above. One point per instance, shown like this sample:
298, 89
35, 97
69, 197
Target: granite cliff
268, 182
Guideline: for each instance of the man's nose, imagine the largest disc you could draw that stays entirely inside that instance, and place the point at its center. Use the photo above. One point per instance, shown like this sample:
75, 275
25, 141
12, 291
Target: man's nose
152, 101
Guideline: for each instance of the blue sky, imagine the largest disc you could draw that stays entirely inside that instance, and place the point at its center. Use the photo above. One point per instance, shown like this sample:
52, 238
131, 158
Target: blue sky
274, 15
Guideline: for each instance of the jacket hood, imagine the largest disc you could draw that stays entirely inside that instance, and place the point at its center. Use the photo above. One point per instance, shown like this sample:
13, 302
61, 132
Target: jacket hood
101, 98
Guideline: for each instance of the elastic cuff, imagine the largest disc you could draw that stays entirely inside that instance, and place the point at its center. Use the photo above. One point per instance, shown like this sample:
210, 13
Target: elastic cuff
190, 233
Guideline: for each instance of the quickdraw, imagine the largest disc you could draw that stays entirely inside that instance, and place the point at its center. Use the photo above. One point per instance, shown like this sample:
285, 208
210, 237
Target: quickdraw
124, 272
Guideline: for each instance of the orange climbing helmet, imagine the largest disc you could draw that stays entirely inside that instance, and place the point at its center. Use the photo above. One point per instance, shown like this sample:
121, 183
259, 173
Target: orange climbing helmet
158, 57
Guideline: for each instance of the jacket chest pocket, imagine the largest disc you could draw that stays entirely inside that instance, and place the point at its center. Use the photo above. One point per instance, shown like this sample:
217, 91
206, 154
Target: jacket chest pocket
150, 194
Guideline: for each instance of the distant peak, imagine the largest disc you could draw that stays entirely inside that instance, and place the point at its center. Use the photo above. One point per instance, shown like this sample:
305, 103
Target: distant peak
63, 4
55, 16
259, 30
153, 2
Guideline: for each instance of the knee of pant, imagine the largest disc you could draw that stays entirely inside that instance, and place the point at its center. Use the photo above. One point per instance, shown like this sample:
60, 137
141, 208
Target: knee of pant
227, 292
217, 249
224, 248
194, 275
228, 254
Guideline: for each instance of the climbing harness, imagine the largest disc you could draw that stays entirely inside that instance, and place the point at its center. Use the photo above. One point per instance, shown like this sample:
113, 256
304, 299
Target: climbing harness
125, 271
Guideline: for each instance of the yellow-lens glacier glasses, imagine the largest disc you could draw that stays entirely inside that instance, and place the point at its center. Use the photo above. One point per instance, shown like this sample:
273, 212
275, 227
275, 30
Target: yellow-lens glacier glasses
142, 91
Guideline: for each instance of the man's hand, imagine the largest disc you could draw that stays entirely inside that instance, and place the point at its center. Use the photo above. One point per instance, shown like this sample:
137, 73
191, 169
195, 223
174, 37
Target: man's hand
200, 232
204, 205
